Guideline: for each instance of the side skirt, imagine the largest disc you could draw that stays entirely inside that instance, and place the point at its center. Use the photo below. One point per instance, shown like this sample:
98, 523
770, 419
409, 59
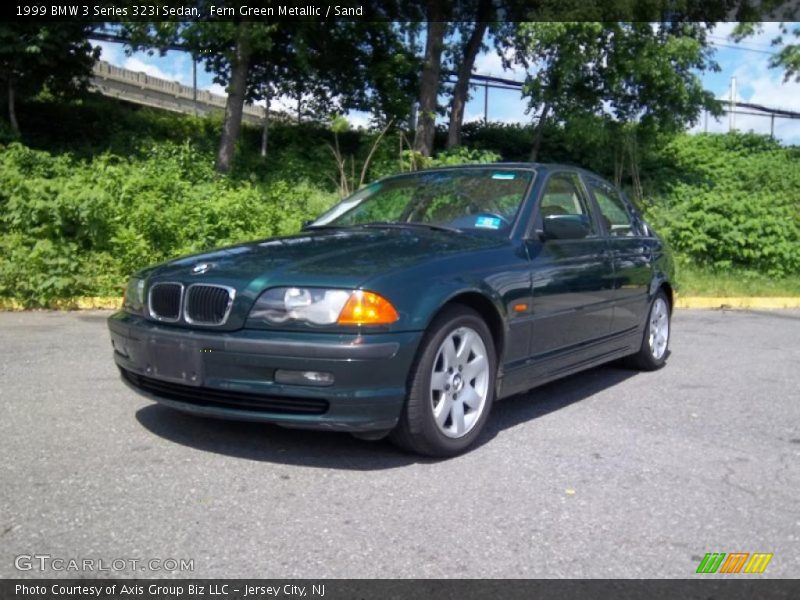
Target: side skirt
537, 371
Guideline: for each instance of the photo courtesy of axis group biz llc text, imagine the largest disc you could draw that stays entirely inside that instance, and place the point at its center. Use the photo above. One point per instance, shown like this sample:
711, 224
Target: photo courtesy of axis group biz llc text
399, 299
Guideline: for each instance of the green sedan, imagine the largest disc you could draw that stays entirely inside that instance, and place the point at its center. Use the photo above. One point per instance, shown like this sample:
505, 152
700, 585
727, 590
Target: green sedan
408, 308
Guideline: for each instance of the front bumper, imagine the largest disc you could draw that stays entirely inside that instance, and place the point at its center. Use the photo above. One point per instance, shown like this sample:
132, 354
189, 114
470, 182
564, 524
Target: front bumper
232, 374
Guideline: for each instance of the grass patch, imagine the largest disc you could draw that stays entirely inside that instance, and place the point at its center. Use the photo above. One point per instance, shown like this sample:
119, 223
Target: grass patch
696, 281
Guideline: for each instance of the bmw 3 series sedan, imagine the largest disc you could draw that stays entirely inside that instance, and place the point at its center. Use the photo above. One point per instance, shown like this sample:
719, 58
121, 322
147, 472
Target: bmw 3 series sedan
408, 308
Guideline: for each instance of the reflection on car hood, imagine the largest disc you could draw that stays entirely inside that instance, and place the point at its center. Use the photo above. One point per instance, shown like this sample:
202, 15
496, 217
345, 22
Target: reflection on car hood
339, 257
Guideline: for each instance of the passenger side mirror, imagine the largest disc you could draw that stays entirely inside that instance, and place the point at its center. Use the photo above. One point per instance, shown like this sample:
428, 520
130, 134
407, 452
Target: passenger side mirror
567, 227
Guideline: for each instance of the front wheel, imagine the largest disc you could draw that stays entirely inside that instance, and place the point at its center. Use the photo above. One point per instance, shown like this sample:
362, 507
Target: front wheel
655, 343
451, 388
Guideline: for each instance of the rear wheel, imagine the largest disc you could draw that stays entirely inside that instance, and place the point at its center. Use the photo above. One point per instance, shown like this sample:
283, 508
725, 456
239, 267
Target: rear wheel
655, 343
452, 386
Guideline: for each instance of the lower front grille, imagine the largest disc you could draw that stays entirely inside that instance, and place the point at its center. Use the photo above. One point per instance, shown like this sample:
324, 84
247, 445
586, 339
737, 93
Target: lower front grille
213, 398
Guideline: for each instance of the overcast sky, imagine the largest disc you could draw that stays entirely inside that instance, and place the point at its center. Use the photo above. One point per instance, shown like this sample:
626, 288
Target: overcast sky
747, 62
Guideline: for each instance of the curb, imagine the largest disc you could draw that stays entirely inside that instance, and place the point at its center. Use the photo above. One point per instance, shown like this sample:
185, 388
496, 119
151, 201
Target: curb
80, 303
738, 302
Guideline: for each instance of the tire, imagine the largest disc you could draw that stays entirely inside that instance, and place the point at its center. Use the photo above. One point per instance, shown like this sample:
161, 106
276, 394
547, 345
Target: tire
654, 350
451, 386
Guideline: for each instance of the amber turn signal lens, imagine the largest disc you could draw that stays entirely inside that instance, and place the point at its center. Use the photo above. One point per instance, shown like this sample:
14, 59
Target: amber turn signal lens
366, 308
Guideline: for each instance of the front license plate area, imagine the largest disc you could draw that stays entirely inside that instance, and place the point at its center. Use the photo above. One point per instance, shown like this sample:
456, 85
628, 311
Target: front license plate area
175, 361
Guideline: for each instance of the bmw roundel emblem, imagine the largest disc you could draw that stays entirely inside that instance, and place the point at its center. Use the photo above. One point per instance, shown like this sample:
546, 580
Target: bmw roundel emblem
200, 268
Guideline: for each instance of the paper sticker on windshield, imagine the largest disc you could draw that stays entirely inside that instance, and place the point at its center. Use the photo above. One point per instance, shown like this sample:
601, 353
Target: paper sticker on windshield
488, 222
503, 175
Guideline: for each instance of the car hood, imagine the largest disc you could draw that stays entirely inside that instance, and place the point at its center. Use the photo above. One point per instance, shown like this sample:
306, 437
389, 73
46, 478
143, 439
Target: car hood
340, 258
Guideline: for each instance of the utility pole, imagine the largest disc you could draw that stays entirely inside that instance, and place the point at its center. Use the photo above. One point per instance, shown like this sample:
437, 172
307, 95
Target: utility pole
194, 83
485, 102
732, 106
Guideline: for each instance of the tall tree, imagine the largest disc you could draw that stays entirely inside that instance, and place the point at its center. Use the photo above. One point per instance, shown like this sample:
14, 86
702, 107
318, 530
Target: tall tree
787, 56
430, 80
228, 50
237, 92
632, 72
326, 66
472, 35
33, 56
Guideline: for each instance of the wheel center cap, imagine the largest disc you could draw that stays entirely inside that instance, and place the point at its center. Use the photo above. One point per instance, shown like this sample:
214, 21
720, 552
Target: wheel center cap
458, 382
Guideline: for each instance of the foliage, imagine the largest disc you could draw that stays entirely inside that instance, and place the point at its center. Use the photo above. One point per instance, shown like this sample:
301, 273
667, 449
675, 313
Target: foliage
100, 203
72, 227
326, 66
728, 201
787, 57
35, 55
636, 79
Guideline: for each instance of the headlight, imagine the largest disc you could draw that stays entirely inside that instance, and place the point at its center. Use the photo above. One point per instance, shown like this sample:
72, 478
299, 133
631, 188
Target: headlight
134, 296
322, 307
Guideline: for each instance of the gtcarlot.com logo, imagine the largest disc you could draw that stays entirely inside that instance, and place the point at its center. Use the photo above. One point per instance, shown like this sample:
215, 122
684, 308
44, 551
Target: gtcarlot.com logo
48, 562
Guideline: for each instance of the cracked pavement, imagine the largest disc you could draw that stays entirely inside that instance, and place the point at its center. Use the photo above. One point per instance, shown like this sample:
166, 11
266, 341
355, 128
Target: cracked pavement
610, 473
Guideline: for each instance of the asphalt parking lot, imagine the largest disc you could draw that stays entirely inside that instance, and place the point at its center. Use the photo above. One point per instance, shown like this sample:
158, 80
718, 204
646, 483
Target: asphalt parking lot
611, 473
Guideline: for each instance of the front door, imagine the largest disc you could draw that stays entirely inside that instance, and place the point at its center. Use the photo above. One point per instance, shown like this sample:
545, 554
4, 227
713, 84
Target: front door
572, 280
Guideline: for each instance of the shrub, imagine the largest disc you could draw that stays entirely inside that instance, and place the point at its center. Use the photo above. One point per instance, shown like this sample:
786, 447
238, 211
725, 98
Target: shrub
731, 201
72, 227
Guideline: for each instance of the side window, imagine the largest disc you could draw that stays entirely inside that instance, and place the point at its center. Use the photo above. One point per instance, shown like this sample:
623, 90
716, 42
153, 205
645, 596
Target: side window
613, 211
562, 196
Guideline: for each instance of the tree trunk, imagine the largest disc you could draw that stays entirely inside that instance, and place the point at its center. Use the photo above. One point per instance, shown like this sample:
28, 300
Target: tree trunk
619, 166
12, 107
237, 90
633, 150
429, 84
461, 88
265, 129
299, 106
537, 140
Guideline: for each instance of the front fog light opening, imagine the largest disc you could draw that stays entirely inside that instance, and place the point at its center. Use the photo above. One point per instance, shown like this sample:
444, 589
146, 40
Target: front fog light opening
316, 378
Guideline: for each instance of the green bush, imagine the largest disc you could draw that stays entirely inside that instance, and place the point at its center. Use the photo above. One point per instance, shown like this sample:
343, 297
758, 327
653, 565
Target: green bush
72, 227
730, 201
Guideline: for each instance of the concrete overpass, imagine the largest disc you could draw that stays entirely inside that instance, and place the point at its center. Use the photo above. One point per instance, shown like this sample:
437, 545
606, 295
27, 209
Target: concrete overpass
140, 88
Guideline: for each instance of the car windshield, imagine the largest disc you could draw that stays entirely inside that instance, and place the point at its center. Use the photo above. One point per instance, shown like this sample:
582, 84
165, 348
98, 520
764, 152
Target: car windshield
480, 199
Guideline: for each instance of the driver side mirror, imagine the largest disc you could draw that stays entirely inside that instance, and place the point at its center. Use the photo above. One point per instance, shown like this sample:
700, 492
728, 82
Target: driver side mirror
566, 227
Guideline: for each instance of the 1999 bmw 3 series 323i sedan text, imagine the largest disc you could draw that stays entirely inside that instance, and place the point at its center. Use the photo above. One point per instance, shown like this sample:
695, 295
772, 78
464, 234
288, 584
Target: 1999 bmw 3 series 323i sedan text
406, 309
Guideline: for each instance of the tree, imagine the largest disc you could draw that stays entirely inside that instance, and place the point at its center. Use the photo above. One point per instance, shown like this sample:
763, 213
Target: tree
430, 80
237, 92
631, 73
472, 35
329, 67
786, 58
35, 56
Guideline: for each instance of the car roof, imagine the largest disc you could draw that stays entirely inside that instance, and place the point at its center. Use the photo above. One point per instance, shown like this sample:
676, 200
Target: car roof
538, 166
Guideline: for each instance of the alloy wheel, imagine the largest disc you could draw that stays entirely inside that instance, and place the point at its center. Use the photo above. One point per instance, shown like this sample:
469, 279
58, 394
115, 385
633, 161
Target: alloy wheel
659, 328
459, 382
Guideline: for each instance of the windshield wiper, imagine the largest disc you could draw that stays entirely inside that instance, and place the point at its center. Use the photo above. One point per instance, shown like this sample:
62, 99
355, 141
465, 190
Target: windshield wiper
407, 225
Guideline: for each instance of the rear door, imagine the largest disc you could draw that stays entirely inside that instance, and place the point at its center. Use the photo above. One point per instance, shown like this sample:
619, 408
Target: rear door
572, 279
631, 254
